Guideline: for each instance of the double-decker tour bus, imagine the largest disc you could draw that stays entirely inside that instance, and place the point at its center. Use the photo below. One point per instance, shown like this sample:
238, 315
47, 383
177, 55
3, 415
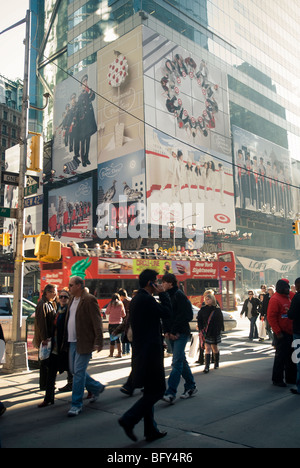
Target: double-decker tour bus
107, 270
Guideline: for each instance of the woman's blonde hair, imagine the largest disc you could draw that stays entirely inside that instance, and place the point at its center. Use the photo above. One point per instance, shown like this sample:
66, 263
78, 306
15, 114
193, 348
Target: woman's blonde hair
213, 298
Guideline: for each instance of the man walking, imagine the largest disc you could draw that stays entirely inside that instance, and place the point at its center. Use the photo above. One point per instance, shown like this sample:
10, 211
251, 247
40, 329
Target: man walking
178, 332
84, 335
294, 314
282, 327
147, 354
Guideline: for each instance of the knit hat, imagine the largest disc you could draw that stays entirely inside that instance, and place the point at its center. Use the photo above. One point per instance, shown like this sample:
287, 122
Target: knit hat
283, 286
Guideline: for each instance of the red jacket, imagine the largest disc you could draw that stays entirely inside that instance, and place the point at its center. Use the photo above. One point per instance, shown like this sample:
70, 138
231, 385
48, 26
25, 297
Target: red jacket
277, 313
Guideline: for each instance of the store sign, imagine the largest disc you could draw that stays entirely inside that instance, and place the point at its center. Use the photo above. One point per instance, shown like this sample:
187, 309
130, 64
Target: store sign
271, 264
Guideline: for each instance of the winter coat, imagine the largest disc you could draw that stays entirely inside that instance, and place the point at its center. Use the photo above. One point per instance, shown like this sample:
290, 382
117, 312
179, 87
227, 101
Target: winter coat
182, 313
88, 324
255, 307
44, 321
147, 345
277, 314
294, 313
216, 325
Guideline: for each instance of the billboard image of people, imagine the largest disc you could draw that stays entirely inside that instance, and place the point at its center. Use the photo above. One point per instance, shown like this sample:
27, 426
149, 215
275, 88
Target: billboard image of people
70, 214
180, 174
75, 124
262, 175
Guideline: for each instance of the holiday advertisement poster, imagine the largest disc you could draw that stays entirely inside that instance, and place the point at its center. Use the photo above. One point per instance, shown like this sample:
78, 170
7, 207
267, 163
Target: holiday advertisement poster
121, 186
186, 96
33, 214
262, 175
75, 124
70, 215
184, 176
120, 105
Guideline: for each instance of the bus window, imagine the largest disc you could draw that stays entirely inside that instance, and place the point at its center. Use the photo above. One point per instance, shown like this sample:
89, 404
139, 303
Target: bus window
196, 287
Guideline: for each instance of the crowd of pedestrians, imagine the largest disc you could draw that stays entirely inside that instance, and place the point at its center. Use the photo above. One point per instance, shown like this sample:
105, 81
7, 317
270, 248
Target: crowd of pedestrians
68, 328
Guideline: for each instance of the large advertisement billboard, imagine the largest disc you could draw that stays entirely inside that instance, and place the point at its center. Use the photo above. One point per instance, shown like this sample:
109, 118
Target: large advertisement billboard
75, 124
70, 212
188, 146
262, 175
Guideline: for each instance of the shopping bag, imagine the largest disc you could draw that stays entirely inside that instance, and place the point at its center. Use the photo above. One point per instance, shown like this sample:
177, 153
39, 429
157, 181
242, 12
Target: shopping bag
194, 348
262, 330
45, 350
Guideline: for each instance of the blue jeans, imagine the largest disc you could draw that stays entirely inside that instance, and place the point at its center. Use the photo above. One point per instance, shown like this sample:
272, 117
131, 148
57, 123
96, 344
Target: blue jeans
253, 328
180, 367
81, 379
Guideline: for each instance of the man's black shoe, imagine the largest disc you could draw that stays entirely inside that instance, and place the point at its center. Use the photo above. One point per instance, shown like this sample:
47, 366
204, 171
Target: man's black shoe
294, 391
155, 436
128, 430
126, 391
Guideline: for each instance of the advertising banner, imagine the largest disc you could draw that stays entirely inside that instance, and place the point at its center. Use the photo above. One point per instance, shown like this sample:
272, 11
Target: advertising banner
75, 124
262, 175
70, 212
33, 214
271, 264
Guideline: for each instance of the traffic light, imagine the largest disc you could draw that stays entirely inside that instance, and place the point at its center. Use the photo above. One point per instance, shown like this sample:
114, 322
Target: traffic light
47, 249
6, 239
1, 239
296, 227
35, 153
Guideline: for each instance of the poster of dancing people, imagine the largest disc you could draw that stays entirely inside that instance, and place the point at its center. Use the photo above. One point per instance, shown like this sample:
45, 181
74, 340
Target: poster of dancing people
179, 173
263, 176
70, 216
75, 126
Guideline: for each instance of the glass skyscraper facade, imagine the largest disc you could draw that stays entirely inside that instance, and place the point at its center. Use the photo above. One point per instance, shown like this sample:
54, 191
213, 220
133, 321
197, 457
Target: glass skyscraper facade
254, 45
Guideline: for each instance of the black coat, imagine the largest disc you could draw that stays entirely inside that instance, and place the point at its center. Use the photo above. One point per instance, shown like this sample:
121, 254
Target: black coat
147, 345
255, 307
294, 313
216, 325
182, 313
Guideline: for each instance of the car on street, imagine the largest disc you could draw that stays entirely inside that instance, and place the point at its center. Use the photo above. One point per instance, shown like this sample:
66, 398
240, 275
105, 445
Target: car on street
6, 307
229, 321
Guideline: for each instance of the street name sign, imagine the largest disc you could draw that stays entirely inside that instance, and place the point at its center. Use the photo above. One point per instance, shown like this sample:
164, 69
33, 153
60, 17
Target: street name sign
34, 201
8, 212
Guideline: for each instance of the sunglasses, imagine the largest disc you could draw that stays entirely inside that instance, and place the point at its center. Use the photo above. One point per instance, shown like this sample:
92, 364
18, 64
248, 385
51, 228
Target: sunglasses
63, 297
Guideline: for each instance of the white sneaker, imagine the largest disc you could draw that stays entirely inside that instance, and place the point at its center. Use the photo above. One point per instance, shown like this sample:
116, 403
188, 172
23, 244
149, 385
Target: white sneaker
169, 399
74, 411
189, 393
95, 397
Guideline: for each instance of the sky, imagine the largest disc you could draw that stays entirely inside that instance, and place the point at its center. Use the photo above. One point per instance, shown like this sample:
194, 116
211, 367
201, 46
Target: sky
12, 48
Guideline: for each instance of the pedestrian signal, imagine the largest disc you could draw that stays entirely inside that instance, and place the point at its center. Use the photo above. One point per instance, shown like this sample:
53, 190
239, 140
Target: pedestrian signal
296, 228
47, 249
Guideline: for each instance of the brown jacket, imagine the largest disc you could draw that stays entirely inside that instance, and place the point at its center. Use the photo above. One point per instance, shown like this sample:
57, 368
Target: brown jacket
88, 324
43, 322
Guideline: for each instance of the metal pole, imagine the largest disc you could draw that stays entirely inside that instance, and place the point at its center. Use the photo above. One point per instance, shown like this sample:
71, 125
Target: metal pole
19, 353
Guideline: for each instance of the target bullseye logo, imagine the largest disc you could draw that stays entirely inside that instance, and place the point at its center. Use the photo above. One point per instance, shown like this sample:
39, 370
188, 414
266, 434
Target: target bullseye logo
222, 218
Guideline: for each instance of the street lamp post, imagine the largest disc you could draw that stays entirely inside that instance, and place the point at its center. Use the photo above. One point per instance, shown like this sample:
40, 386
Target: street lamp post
16, 350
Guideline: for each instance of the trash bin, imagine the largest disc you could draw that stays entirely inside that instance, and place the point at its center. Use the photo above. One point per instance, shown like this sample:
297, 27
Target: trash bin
33, 353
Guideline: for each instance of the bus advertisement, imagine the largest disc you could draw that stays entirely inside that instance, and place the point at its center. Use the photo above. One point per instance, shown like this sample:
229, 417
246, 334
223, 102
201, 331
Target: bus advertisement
106, 273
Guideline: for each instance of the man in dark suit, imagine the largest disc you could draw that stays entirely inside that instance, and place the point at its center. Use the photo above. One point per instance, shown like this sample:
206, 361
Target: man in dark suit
147, 354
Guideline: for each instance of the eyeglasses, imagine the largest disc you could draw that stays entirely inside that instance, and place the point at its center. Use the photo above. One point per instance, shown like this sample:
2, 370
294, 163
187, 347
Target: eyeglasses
250, 294
63, 297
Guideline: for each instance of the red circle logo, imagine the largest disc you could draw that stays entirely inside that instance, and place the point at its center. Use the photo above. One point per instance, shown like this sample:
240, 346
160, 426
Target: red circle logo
221, 218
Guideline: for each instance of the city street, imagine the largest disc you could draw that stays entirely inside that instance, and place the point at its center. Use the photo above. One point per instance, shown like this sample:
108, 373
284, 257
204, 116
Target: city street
236, 407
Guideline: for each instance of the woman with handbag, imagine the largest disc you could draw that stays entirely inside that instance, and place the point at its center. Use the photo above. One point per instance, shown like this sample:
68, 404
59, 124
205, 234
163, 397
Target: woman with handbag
210, 325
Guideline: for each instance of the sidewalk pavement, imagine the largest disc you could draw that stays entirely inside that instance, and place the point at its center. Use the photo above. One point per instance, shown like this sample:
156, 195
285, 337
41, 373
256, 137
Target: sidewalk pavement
236, 407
